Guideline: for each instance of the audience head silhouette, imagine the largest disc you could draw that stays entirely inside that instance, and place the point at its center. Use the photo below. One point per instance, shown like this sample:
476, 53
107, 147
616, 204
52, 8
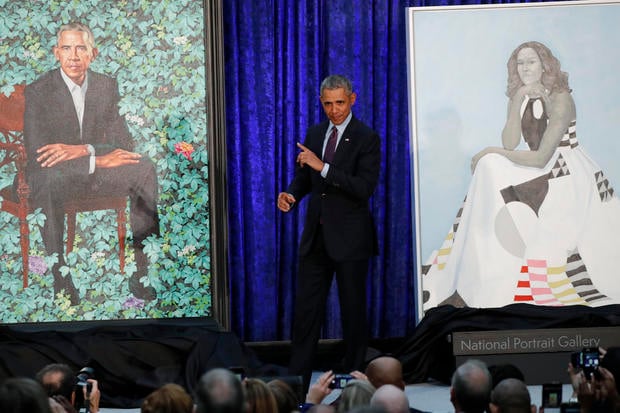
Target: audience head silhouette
23, 395
391, 398
471, 387
57, 379
355, 393
258, 397
385, 370
285, 396
219, 391
169, 398
510, 396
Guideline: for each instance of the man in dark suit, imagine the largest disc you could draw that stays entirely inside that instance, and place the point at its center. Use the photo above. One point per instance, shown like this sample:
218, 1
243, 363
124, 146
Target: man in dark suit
338, 167
77, 143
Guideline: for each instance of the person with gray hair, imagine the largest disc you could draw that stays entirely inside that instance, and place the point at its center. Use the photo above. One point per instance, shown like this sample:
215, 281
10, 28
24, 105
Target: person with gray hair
219, 391
355, 393
471, 387
391, 398
511, 396
338, 168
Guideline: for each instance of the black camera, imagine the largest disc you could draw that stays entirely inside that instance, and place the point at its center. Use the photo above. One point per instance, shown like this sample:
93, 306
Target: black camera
81, 384
340, 381
82, 377
586, 360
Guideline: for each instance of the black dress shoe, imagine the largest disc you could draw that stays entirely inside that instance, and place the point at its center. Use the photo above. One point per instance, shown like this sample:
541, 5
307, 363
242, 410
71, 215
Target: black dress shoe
141, 291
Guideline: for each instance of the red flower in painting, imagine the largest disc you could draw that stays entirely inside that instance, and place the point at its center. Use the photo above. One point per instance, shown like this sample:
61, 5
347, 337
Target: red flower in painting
185, 149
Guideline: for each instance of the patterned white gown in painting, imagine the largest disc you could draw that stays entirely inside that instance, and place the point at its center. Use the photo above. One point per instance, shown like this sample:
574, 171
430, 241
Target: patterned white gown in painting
529, 235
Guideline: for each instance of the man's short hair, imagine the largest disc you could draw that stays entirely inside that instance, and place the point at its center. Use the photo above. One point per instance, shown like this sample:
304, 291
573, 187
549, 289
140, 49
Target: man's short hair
471, 383
219, 391
87, 34
336, 82
511, 396
65, 383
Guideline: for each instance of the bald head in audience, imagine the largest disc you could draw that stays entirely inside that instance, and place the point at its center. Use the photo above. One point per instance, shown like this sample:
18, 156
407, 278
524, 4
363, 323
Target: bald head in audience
511, 396
391, 398
385, 370
471, 387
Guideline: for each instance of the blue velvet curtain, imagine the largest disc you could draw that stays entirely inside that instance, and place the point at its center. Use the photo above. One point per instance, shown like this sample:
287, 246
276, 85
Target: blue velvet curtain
277, 52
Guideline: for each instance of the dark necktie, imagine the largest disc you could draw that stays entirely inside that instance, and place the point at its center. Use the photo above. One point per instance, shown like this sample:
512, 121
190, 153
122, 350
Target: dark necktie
330, 149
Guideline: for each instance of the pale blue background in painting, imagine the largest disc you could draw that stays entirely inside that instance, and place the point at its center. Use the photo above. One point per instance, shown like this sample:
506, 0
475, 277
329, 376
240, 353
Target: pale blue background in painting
459, 90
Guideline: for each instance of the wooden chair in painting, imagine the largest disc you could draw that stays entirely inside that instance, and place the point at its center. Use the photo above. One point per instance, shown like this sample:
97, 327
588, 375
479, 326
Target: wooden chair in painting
13, 152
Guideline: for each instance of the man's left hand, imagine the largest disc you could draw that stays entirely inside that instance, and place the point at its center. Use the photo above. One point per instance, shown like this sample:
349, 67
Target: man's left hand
55, 153
307, 157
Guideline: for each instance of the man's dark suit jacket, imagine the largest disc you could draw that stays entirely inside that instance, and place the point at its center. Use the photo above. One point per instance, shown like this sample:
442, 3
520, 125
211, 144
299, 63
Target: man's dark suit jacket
340, 201
50, 117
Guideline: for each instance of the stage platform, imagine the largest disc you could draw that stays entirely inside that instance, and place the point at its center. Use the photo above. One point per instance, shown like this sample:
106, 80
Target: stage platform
133, 358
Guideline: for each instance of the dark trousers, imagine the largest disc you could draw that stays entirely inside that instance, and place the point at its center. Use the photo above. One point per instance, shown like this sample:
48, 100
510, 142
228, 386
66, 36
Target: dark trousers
316, 272
50, 187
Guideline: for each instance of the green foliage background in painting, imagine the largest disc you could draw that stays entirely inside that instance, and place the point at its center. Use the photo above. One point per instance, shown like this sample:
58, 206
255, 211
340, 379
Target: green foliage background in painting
155, 50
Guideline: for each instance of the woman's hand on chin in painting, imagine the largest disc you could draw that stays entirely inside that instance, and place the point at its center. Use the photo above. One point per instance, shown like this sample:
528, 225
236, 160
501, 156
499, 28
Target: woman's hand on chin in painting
534, 91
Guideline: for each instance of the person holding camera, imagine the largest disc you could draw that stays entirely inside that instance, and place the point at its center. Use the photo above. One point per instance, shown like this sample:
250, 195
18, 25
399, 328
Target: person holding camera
75, 393
592, 378
380, 371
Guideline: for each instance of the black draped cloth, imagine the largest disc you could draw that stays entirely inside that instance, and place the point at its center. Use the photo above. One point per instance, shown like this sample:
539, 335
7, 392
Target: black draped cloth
130, 360
427, 353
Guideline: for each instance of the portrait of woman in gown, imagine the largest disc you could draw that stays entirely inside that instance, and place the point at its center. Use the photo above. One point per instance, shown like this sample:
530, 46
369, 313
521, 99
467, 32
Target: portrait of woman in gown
539, 221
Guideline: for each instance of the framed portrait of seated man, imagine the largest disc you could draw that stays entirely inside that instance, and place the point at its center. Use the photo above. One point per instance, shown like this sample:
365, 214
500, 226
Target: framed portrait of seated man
105, 161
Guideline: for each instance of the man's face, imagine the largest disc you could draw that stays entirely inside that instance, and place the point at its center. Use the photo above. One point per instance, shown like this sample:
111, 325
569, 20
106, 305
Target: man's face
336, 104
74, 55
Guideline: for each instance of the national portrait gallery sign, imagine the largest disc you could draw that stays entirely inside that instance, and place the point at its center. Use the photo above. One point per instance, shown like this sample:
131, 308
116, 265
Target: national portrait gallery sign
533, 341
